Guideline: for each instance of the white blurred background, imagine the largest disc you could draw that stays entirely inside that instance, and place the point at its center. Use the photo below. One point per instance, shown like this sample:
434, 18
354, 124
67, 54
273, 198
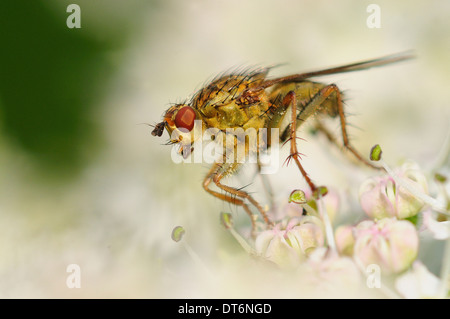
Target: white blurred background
115, 217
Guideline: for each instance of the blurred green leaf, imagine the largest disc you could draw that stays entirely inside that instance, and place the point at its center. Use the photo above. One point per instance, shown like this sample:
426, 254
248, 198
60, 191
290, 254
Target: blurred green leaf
50, 81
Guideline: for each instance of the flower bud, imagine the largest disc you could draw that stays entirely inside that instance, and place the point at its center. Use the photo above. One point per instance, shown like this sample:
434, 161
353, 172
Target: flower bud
226, 220
391, 244
381, 197
289, 246
375, 153
297, 196
177, 233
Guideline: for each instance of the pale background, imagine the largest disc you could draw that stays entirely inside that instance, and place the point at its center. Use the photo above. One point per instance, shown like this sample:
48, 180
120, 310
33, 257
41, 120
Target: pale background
114, 213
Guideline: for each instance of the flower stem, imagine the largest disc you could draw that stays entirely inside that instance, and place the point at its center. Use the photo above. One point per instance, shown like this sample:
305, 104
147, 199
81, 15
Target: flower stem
241, 241
196, 259
444, 153
309, 210
326, 221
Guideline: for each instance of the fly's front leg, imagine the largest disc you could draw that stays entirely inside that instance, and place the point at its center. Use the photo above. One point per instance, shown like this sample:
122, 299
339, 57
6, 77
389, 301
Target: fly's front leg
233, 195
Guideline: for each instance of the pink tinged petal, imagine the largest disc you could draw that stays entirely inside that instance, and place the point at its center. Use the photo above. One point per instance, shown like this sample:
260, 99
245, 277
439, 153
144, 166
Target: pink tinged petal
263, 240
382, 250
364, 249
372, 248
291, 224
404, 244
307, 237
376, 199
294, 240
389, 243
292, 210
282, 254
408, 205
273, 246
365, 225
287, 247
391, 191
344, 240
415, 175
332, 202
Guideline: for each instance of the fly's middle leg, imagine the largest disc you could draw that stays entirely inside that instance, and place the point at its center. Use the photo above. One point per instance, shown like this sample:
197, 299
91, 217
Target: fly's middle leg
291, 99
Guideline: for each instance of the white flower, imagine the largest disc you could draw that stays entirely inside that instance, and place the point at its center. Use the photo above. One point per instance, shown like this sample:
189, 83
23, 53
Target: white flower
439, 229
389, 243
289, 246
381, 196
327, 274
418, 282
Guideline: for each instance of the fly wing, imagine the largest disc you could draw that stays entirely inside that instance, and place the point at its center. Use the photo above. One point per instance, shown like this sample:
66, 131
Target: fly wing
358, 66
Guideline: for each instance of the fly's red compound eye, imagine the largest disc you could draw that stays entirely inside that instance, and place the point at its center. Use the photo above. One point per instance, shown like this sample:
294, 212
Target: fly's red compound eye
185, 118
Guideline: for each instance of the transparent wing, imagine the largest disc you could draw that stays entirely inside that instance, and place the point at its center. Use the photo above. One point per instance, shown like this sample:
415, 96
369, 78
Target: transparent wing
358, 66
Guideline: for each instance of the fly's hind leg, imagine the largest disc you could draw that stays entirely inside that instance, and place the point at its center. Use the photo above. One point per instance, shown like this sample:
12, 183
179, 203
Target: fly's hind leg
320, 127
326, 92
311, 108
233, 195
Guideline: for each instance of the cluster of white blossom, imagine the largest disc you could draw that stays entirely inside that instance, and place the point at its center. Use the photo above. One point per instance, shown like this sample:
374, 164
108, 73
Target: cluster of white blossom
398, 211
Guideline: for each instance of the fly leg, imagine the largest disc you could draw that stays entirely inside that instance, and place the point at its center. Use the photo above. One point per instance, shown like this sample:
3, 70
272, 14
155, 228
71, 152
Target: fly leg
326, 92
233, 195
291, 99
319, 126
311, 108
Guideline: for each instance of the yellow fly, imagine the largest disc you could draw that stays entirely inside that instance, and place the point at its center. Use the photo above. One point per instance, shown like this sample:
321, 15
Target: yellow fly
249, 100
